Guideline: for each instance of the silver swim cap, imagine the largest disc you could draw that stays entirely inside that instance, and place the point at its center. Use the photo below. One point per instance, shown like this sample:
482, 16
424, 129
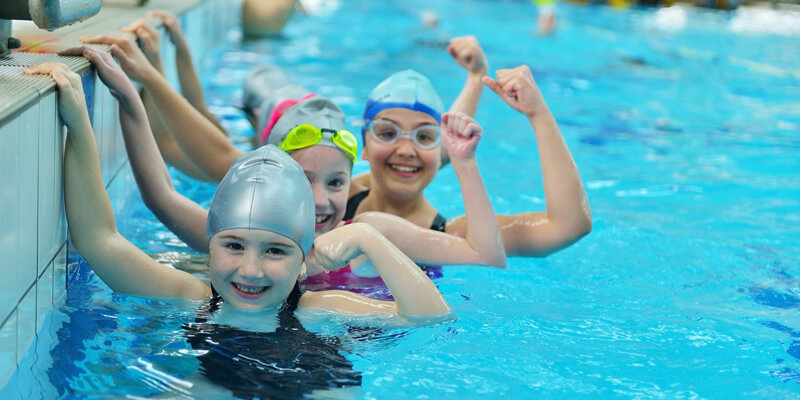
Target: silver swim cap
265, 189
318, 111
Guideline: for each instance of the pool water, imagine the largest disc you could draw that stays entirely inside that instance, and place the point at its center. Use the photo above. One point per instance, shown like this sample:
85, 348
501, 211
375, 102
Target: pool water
687, 138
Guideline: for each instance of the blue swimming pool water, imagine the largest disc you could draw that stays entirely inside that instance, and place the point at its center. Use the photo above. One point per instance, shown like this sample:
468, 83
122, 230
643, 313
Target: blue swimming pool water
687, 142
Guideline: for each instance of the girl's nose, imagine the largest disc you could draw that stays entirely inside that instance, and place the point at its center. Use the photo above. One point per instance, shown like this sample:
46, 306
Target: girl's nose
251, 267
405, 147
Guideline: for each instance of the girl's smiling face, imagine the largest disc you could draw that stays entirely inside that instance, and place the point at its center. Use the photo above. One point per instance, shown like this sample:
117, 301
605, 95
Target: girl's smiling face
253, 269
401, 169
328, 170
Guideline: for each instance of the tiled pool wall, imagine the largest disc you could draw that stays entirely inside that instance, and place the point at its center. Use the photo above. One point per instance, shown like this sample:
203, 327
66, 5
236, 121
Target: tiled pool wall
33, 230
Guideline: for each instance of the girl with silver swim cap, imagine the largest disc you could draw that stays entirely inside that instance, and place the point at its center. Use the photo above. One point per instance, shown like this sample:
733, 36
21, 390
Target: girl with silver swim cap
259, 228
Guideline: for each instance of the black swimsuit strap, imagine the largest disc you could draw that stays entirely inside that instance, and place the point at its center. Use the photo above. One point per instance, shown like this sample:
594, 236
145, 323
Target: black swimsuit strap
353, 203
438, 224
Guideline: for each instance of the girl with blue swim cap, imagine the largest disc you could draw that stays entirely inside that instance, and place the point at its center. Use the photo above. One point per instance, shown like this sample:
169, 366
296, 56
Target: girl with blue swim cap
402, 166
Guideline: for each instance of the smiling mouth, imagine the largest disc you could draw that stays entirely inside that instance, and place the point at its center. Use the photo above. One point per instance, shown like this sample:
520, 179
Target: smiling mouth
405, 169
321, 219
249, 291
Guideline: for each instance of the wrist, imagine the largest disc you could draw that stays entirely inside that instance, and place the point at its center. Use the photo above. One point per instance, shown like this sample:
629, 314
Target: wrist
181, 48
464, 165
476, 77
150, 76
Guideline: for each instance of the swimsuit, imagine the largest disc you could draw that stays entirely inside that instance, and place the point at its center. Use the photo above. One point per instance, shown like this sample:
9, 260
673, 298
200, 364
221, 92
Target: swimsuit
289, 363
438, 223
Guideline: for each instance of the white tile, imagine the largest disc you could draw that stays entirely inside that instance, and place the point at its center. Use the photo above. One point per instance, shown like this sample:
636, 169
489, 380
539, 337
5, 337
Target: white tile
10, 291
28, 199
52, 231
60, 274
44, 295
109, 136
26, 323
97, 122
8, 348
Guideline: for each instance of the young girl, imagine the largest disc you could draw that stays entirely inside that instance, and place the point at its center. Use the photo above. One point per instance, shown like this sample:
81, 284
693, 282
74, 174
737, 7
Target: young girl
328, 166
406, 104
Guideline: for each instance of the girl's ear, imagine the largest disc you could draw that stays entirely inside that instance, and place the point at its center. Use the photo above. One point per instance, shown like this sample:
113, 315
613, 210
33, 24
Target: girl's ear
303, 273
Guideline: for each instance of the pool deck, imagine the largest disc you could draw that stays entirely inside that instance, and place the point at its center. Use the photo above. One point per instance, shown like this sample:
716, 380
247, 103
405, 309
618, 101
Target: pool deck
34, 236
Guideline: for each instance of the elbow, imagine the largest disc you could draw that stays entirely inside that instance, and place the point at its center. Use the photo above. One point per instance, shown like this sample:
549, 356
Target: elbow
583, 227
499, 261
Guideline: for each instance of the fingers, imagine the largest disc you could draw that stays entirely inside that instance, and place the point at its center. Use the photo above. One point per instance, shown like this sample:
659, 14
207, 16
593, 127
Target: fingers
127, 43
63, 76
166, 17
73, 51
120, 55
460, 125
494, 85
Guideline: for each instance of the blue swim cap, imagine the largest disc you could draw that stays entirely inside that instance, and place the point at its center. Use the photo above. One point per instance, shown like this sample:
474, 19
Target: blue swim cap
405, 89
265, 189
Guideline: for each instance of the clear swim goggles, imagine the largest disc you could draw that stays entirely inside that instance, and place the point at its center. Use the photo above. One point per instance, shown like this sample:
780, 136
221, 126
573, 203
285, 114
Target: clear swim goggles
425, 137
306, 135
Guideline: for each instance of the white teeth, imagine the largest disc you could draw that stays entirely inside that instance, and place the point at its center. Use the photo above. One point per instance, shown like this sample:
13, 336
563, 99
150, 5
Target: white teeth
405, 169
322, 218
257, 289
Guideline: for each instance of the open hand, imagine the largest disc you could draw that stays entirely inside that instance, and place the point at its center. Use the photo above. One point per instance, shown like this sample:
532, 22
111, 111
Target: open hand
460, 135
150, 39
131, 58
71, 99
468, 53
517, 88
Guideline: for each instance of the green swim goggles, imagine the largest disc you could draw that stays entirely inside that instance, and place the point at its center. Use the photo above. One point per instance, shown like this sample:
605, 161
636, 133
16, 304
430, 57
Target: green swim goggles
425, 137
307, 135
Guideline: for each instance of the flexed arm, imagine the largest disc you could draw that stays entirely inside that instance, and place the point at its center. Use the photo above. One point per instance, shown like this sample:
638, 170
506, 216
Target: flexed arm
120, 264
181, 215
414, 293
567, 217
201, 141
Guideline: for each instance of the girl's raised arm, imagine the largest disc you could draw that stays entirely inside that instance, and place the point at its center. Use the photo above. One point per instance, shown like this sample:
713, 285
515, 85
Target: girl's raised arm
567, 217
181, 215
120, 264
201, 141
